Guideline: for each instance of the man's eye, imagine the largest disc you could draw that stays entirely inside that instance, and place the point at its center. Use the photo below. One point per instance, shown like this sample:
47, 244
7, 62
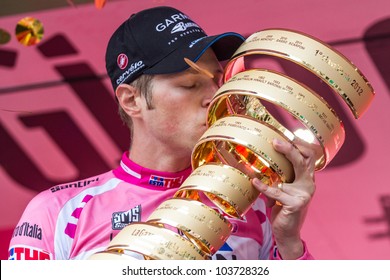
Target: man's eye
189, 86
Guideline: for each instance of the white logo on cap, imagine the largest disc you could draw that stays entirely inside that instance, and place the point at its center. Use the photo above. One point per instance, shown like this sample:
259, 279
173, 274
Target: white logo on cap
196, 41
181, 26
122, 61
168, 21
133, 68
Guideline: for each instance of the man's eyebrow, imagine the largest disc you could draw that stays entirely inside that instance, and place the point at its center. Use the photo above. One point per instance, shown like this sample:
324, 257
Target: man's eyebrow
199, 69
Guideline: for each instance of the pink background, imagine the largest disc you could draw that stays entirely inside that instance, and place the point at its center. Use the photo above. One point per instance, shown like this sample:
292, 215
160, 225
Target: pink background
58, 118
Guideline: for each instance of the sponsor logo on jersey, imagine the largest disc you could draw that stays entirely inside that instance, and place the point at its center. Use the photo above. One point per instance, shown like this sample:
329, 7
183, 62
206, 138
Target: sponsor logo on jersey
27, 229
79, 184
28, 253
158, 181
122, 219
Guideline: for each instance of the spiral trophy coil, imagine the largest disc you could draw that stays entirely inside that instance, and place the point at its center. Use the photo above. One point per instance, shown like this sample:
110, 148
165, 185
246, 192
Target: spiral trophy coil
237, 146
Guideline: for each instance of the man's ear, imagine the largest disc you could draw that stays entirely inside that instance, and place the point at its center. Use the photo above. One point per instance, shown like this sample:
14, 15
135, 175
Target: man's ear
129, 99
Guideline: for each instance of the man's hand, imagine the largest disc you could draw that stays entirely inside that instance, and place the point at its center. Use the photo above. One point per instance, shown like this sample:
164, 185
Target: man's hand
289, 214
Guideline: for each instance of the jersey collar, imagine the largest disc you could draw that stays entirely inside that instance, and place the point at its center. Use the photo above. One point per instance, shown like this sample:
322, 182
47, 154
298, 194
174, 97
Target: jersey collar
135, 174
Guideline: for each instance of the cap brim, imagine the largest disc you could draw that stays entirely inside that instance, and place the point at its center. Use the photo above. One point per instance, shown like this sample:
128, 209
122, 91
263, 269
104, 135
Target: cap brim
224, 46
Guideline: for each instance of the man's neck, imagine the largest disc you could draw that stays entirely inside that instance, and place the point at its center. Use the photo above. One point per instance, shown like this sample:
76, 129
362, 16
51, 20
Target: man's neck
158, 157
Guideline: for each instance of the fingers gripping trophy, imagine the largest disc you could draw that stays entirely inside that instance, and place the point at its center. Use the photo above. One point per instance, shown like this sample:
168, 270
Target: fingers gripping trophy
237, 146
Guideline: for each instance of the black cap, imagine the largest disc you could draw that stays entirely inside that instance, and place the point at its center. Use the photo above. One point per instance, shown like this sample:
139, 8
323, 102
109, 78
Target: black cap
156, 41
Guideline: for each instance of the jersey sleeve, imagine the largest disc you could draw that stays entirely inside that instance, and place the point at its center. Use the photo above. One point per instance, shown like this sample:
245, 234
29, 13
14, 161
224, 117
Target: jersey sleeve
33, 238
274, 254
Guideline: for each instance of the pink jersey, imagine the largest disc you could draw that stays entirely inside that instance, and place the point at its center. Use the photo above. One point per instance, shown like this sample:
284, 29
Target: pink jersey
75, 220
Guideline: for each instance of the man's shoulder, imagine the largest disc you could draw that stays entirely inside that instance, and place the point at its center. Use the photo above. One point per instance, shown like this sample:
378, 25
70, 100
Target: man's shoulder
81, 184
66, 191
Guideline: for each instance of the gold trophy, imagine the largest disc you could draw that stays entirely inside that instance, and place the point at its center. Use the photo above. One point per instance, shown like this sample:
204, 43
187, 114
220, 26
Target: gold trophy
237, 146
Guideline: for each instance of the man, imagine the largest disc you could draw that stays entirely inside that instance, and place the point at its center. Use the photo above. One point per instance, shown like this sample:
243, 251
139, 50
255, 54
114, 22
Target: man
164, 103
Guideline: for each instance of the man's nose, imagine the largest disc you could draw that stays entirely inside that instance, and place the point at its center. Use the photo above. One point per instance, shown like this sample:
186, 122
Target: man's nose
212, 88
